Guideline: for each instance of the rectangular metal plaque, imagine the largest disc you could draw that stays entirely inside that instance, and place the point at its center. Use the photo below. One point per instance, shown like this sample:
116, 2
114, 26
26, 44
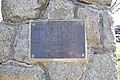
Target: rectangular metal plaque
57, 39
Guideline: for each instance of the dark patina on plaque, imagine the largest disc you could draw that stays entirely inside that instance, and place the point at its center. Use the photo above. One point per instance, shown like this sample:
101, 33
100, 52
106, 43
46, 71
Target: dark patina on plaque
57, 39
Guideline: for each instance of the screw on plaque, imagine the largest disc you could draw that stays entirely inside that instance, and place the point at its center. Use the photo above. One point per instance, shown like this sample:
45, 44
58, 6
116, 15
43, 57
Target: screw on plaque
33, 56
33, 24
83, 55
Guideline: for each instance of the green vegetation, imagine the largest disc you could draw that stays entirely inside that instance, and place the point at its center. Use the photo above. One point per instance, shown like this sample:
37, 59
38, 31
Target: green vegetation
118, 56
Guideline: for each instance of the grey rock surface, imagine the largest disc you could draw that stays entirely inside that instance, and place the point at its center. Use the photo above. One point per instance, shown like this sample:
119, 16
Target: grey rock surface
65, 71
100, 67
60, 9
97, 2
99, 28
13, 70
91, 19
107, 32
21, 42
18, 10
7, 35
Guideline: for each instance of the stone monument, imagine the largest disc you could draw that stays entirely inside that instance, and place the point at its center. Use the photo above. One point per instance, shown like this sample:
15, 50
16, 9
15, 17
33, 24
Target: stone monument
15, 62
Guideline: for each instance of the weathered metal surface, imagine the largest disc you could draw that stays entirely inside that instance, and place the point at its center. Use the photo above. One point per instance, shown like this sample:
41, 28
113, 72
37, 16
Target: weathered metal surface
57, 39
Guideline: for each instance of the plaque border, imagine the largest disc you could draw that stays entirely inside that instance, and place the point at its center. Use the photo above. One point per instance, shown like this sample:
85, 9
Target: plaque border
34, 60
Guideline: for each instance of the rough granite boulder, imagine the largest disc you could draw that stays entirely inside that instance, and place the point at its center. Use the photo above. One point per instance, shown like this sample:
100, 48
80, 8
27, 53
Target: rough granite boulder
60, 9
100, 67
13, 70
7, 36
107, 32
21, 42
91, 19
18, 10
65, 71
97, 2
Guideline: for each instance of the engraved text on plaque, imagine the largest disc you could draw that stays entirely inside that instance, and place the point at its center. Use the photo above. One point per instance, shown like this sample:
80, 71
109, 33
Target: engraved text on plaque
57, 39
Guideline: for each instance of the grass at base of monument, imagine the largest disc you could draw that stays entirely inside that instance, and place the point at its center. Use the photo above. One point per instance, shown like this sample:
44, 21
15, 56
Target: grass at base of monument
118, 56
118, 70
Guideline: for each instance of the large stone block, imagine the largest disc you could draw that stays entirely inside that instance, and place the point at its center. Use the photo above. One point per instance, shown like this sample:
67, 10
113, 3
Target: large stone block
15, 10
100, 67
60, 9
97, 2
91, 19
99, 28
107, 32
65, 71
5, 76
21, 43
7, 36
13, 70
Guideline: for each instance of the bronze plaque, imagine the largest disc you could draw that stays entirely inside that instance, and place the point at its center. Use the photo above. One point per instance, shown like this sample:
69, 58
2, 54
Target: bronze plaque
57, 39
